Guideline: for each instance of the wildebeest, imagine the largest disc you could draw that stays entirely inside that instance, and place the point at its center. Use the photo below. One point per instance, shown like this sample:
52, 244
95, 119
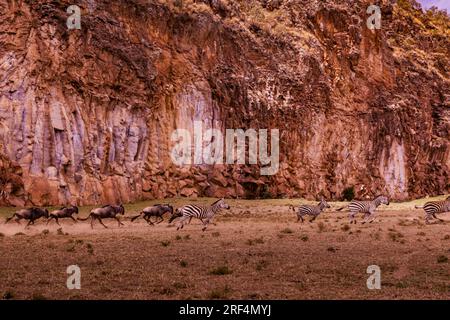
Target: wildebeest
30, 214
158, 211
108, 211
65, 212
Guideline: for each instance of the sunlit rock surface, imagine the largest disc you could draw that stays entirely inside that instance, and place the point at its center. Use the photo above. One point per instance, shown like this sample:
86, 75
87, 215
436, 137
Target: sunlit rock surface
86, 116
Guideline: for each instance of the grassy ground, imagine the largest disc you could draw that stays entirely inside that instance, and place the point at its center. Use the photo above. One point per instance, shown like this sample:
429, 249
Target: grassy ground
256, 250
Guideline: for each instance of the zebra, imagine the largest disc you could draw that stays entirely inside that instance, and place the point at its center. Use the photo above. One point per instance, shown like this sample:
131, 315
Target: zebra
204, 213
179, 214
366, 207
312, 211
433, 207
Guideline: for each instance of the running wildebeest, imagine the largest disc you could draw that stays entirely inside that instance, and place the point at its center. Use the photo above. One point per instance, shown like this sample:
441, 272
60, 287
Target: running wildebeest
108, 211
158, 211
65, 212
31, 214
432, 208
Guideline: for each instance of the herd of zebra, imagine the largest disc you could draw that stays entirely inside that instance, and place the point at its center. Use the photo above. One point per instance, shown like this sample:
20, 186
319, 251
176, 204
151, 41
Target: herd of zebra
206, 213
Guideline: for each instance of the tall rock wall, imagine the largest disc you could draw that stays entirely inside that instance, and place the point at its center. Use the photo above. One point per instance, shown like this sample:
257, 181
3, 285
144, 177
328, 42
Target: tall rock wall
87, 116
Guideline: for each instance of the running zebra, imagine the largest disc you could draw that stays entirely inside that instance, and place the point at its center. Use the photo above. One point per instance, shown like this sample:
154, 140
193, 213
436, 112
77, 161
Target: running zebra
434, 207
309, 210
366, 207
205, 214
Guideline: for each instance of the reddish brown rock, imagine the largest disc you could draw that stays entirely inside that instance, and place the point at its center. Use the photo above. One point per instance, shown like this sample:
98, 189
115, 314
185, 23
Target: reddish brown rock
217, 178
88, 115
11, 183
189, 192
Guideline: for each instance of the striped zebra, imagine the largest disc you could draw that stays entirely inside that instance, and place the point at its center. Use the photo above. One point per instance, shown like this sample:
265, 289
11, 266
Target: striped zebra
204, 213
309, 210
434, 207
366, 207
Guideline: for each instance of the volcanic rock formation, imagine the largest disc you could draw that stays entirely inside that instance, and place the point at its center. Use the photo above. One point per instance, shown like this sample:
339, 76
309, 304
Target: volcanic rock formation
87, 116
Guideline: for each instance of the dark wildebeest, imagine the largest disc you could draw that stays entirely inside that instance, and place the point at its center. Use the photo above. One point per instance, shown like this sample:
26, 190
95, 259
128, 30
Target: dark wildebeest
31, 214
158, 211
65, 212
108, 211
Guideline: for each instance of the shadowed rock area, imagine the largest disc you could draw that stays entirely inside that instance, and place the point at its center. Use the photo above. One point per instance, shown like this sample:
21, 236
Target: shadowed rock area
86, 116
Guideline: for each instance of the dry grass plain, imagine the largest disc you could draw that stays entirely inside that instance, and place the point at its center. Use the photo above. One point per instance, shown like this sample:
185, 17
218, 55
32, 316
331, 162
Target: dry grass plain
256, 250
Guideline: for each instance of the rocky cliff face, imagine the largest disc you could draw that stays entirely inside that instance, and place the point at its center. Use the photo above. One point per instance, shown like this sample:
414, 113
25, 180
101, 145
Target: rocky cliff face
87, 116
